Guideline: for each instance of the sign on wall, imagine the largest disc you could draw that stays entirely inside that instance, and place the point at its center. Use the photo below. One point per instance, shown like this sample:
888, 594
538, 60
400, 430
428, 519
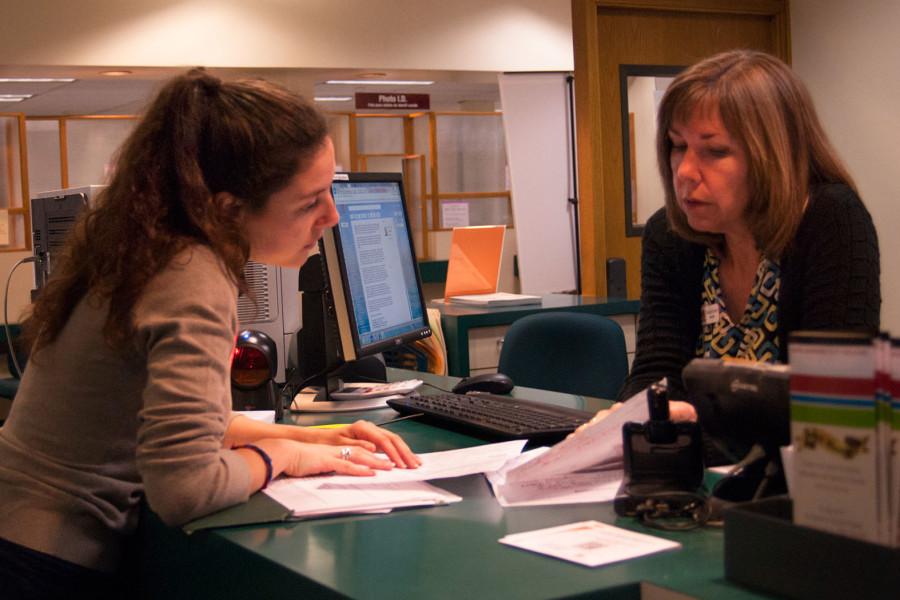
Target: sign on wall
393, 100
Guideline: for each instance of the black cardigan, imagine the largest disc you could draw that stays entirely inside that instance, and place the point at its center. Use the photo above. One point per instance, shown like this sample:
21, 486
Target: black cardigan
829, 280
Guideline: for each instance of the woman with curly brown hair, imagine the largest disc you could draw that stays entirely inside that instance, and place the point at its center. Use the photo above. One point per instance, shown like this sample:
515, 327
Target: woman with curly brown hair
127, 390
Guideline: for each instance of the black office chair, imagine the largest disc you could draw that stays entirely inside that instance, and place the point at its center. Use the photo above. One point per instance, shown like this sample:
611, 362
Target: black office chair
574, 353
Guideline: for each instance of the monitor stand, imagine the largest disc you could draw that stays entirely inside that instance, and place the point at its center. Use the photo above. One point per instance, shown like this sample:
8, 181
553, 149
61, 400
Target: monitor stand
318, 398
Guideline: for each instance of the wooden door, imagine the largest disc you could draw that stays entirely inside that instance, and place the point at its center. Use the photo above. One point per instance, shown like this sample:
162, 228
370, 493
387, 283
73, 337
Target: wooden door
609, 33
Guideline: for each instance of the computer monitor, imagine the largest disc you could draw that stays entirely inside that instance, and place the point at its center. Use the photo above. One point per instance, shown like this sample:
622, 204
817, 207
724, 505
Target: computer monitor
373, 299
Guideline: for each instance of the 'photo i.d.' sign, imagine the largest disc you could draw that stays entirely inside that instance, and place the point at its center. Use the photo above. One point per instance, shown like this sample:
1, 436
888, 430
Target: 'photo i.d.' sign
393, 100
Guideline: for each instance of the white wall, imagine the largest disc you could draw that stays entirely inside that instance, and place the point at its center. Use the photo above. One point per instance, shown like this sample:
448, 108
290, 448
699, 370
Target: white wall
497, 35
848, 55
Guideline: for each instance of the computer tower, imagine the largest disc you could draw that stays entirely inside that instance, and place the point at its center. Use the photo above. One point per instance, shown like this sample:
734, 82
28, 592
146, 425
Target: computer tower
272, 306
53, 213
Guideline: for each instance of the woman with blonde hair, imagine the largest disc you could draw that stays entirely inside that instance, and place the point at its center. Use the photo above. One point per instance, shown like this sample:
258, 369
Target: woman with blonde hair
127, 394
763, 231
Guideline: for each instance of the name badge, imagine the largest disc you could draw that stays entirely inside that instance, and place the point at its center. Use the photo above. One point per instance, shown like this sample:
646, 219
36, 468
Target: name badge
710, 314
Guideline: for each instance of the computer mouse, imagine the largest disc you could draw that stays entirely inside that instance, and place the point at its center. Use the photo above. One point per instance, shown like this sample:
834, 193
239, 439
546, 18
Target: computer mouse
492, 383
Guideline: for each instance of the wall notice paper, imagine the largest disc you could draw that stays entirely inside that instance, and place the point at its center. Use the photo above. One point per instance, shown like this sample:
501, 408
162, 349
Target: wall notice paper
454, 214
586, 467
307, 497
589, 543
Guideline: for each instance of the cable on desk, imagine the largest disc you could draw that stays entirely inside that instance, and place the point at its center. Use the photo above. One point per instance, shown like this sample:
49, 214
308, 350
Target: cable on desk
403, 418
674, 511
6, 327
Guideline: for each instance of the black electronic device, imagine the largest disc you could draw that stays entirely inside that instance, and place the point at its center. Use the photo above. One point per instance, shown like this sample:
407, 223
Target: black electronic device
663, 461
492, 383
367, 296
253, 365
616, 286
495, 417
53, 215
743, 404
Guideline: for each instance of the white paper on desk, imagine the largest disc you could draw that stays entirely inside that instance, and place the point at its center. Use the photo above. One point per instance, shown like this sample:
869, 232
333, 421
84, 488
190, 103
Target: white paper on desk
598, 444
266, 416
337, 494
304, 498
597, 485
442, 465
589, 543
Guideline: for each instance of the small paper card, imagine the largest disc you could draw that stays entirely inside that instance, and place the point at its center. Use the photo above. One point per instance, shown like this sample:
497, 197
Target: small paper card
589, 543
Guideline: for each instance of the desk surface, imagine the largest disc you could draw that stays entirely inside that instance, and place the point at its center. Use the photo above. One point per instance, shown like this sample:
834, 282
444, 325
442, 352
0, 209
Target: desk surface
438, 552
458, 320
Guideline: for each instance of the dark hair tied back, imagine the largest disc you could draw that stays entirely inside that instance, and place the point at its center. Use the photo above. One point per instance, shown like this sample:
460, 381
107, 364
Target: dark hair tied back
207, 83
206, 152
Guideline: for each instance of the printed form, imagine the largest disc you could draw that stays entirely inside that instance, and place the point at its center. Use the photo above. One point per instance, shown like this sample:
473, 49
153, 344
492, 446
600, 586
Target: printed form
341, 494
586, 467
589, 543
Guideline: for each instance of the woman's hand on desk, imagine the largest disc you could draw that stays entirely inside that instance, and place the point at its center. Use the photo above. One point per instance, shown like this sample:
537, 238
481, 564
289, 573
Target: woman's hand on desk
366, 435
361, 434
299, 459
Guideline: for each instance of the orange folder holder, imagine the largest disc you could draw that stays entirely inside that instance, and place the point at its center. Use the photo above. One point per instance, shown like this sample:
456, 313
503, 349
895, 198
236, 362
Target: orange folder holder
474, 263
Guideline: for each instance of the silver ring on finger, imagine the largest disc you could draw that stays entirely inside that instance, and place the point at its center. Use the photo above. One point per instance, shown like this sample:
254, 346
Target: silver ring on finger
345, 453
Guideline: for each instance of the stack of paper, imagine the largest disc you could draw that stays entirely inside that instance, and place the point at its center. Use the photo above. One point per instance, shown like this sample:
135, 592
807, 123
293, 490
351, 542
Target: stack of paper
586, 467
496, 299
309, 497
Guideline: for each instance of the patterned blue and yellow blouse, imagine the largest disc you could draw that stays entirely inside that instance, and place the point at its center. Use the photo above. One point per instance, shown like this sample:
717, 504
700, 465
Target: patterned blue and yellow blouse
754, 338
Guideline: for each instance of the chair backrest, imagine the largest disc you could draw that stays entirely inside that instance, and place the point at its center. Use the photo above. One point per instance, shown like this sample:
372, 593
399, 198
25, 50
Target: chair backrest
574, 353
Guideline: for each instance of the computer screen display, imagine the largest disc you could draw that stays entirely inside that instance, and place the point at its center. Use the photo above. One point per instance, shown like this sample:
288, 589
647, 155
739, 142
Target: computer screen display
371, 266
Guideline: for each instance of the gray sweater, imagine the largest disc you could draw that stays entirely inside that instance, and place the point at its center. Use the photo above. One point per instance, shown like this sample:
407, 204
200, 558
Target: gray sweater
93, 429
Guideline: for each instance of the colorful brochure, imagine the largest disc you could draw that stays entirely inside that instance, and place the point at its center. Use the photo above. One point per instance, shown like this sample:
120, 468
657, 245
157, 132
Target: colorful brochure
834, 428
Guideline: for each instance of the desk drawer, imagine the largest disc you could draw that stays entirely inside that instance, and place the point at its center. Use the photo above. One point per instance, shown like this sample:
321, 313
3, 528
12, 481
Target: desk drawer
484, 348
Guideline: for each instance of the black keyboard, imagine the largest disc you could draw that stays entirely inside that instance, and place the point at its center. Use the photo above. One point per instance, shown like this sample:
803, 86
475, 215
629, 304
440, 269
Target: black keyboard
495, 417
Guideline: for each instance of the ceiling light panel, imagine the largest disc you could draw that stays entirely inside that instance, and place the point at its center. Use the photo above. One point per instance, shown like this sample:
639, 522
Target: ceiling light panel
377, 82
36, 79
